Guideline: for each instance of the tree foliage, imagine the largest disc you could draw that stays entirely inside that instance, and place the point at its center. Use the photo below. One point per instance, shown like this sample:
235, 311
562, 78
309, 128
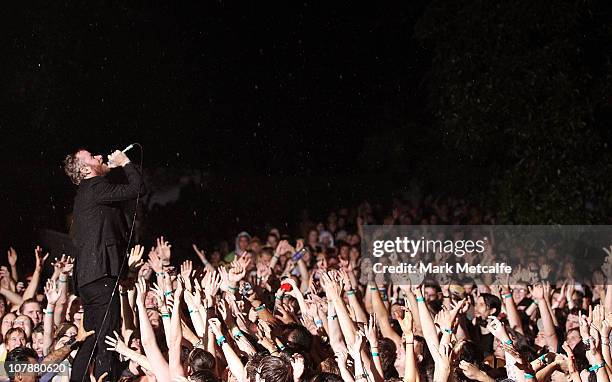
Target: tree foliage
516, 89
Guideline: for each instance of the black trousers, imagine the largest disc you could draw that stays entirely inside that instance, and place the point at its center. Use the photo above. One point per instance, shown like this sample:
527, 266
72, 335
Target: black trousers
96, 297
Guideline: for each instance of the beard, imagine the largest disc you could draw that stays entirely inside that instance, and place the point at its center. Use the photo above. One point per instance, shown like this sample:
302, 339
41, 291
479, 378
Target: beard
101, 169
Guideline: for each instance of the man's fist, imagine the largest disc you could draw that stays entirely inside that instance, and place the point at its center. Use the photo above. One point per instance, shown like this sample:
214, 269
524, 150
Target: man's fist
117, 159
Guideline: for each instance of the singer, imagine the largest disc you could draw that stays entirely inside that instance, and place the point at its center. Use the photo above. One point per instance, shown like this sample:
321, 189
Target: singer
99, 231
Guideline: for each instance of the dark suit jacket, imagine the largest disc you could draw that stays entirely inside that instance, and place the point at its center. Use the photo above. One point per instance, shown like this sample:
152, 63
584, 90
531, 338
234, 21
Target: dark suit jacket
99, 226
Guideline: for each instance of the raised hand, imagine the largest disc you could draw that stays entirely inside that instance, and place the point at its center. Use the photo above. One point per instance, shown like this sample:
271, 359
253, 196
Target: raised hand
186, 269
236, 273
370, 331
355, 348
471, 371
40, 259
215, 326
12, 256
155, 262
141, 292
52, 292
497, 329
116, 344
82, 334
163, 250
201, 254
135, 258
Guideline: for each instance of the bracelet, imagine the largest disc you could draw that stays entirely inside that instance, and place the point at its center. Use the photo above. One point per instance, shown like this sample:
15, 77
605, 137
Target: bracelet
373, 288
375, 354
447, 330
62, 281
542, 358
445, 296
318, 323
160, 273
237, 334
168, 293
534, 302
221, 340
350, 292
335, 316
260, 307
165, 315
509, 295
508, 342
198, 344
420, 299
191, 311
232, 288
276, 256
594, 368
49, 312
529, 376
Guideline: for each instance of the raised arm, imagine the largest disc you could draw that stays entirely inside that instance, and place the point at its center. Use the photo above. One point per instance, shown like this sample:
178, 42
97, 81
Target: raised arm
176, 335
147, 336
33, 285
107, 192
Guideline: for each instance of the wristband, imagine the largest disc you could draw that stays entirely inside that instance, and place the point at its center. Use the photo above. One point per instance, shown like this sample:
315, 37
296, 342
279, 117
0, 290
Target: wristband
49, 312
373, 288
232, 288
319, 323
446, 296
221, 340
190, 311
375, 354
350, 292
159, 273
447, 330
62, 281
529, 376
281, 347
165, 315
420, 299
168, 293
238, 334
335, 316
542, 358
260, 307
509, 295
508, 342
594, 368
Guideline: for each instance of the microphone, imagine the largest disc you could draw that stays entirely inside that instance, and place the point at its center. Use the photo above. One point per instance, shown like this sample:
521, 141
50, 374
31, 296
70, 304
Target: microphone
125, 150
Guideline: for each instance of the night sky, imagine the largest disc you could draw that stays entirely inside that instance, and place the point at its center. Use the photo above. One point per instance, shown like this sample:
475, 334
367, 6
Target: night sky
293, 96
266, 88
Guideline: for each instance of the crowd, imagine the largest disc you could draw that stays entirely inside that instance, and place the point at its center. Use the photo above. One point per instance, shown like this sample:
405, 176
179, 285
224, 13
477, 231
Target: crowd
278, 308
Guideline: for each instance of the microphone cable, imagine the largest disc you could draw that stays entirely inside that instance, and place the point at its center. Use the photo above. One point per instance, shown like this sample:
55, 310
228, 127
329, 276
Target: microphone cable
125, 257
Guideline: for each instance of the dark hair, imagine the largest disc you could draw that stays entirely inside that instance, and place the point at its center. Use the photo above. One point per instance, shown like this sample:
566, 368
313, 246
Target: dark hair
18, 355
200, 359
39, 329
275, 369
492, 302
388, 353
301, 338
203, 376
251, 365
327, 377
